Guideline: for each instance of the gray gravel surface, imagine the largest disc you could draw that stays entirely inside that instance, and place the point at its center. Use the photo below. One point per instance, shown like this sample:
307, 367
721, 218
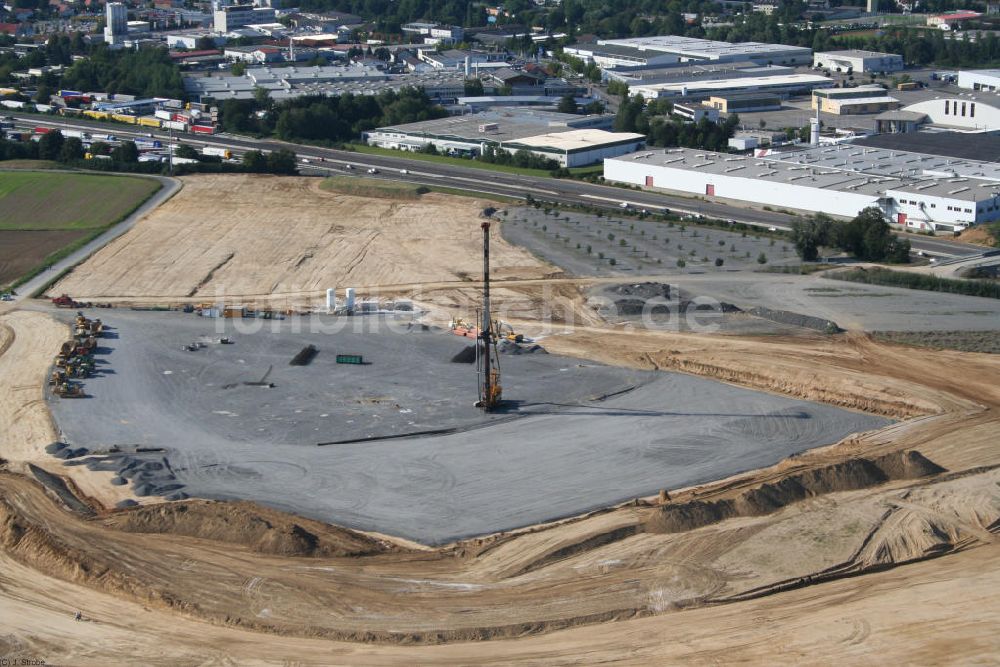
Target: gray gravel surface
556, 452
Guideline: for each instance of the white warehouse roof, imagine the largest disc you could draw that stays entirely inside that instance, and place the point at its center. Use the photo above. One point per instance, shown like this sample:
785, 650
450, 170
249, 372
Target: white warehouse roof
575, 140
705, 49
749, 83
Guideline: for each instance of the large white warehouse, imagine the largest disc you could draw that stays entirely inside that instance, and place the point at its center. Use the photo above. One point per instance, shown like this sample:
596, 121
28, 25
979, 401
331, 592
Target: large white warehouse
782, 85
692, 49
921, 192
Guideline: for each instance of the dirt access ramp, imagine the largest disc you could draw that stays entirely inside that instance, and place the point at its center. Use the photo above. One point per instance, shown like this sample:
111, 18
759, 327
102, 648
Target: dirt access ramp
286, 240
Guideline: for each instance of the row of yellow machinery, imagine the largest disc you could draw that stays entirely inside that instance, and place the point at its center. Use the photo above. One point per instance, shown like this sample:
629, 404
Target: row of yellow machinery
75, 360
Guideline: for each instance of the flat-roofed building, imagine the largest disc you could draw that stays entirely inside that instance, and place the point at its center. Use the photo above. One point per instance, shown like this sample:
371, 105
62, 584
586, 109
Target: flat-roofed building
696, 111
845, 101
783, 86
745, 102
693, 49
570, 139
858, 61
577, 148
987, 80
914, 190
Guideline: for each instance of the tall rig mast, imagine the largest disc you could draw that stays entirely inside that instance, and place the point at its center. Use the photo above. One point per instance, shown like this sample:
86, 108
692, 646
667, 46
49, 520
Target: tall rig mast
489, 383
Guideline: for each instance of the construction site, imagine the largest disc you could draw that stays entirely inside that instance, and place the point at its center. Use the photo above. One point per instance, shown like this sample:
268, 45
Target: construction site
275, 423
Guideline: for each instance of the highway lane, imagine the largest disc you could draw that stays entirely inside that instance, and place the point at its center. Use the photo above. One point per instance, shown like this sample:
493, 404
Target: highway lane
562, 191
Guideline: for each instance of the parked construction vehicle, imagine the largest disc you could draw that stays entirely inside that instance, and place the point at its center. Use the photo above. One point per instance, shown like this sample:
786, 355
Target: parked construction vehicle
66, 301
68, 390
460, 327
506, 332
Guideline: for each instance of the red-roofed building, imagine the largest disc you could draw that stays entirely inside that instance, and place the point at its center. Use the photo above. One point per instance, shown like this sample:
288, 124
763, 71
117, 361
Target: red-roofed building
16, 29
946, 21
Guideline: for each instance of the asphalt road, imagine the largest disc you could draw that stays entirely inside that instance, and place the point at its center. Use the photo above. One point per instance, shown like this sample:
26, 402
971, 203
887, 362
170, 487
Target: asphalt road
562, 191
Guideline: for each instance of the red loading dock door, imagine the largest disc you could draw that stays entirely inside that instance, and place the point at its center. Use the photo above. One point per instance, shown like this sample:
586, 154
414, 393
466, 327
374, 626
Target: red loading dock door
710, 189
901, 218
649, 181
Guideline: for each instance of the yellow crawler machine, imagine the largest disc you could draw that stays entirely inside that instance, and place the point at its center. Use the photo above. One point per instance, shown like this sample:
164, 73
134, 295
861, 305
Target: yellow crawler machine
68, 390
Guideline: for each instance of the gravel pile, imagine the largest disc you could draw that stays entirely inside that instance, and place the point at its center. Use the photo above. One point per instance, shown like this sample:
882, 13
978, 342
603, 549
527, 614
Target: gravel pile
796, 319
148, 472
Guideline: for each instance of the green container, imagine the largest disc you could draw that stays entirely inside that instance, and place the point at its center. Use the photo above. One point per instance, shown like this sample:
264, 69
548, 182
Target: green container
350, 359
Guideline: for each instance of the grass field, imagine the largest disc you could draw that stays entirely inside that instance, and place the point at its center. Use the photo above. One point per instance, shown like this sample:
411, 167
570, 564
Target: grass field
472, 164
372, 187
65, 201
46, 215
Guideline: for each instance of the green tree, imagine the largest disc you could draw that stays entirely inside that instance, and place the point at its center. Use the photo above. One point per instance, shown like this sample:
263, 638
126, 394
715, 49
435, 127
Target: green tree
255, 161
567, 104
43, 93
187, 152
72, 149
281, 162
473, 88
126, 151
239, 68
50, 145
810, 234
100, 148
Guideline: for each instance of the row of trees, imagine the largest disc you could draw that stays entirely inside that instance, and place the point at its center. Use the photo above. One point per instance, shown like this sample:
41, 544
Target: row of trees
125, 156
326, 120
519, 158
146, 73
925, 47
867, 237
653, 119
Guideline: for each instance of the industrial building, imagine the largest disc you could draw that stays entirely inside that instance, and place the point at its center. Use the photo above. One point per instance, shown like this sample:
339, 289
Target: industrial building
696, 111
852, 101
648, 51
611, 56
745, 102
684, 72
116, 23
980, 79
950, 20
783, 86
918, 191
570, 139
858, 61
230, 17
964, 113
577, 148
290, 82
898, 122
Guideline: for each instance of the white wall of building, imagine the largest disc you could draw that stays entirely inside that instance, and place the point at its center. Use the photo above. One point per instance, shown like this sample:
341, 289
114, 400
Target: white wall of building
922, 211
977, 115
979, 79
786, 195
883, 62
919, 211
592, 156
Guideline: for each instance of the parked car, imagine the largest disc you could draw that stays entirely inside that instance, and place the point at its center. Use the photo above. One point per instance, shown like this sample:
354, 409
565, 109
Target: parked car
373, 170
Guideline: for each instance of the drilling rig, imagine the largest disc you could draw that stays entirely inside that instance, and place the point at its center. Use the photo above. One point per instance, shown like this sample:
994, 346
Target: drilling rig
487, 356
